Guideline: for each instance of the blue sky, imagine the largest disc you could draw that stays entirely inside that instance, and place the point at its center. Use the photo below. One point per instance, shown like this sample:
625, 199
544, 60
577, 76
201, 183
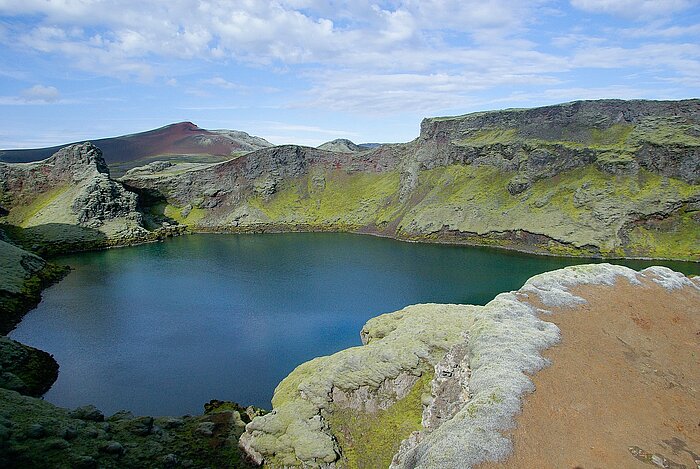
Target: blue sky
308, 71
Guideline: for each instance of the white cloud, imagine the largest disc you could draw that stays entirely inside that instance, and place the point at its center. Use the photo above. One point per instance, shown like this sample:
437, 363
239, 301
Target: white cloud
634, 9
384, 57
222, 83
41, 93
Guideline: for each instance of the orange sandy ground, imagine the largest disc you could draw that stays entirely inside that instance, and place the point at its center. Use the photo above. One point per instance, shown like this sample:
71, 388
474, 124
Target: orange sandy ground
625, 379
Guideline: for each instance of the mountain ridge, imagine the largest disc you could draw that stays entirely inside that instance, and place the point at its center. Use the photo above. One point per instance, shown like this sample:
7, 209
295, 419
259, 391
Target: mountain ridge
181, 138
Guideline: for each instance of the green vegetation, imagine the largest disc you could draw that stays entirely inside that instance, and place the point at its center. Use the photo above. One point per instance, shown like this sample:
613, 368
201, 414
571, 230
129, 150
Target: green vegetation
490, 137
333, 198
369, 440
38, 434
25, 369
31, 204
615, 135
191, 218
665, 238
667, 131
582, 207
22, 277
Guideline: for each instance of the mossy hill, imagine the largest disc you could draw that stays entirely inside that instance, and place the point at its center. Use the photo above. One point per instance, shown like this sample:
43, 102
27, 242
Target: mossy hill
592, 178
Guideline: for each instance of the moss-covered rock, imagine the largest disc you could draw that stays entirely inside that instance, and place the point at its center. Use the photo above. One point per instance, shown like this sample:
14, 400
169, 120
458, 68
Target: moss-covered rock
25, 369
351, 408
37, 434
22, 277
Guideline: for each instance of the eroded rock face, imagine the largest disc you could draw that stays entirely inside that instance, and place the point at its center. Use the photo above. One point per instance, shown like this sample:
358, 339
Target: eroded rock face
72, 187
103, 199
548, 140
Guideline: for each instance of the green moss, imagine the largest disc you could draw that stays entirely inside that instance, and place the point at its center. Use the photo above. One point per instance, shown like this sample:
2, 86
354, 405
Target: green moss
341, 198
175, 213
176, 436
667, 238
288, 389
370, 440
576, 210
489, 137
21, 213
615, 135
666, 131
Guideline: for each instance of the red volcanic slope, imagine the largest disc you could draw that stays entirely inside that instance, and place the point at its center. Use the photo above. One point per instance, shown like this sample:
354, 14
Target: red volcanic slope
174, 139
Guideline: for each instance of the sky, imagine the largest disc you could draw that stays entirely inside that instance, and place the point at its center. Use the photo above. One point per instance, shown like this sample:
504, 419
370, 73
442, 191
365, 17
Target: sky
309, 71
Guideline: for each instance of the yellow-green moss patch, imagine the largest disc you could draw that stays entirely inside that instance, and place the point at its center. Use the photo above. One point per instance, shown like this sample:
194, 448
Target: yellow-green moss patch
369, 440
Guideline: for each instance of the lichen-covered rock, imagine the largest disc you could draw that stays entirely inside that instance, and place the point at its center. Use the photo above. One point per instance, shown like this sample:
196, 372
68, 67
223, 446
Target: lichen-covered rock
103, 199
35, 433
482, 357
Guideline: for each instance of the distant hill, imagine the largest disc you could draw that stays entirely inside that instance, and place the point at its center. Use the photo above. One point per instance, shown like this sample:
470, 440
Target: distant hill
183, 138
341, 145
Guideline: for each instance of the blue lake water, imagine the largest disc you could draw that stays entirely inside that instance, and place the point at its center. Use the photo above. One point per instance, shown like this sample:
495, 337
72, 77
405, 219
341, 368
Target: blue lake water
162, 328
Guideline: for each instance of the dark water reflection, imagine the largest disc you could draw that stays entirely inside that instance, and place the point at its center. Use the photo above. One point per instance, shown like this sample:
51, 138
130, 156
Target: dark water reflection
162, 328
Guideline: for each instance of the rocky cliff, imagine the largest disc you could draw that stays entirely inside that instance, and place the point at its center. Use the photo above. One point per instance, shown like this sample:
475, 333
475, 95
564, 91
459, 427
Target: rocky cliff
68, 200
23, 275
597, 178
440, 385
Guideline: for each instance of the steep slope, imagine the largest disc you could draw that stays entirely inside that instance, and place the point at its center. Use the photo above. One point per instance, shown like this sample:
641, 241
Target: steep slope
67, 200
183, 139
22, 276
439, 385
597, 178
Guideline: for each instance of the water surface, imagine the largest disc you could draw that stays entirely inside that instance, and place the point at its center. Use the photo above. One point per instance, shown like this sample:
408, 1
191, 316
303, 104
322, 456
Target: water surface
162, 328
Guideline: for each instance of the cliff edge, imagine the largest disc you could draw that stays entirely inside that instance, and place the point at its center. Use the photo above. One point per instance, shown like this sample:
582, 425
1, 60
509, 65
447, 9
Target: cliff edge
603, 178
442, 385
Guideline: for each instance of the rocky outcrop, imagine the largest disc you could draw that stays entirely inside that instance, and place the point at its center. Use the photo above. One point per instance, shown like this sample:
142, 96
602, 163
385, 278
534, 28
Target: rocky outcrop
71, 189
25, 369
35, 433
481, 359
619, 136
592, 178
22, 277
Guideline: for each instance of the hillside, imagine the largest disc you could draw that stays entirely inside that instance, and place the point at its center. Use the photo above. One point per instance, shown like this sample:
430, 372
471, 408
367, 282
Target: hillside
341, 145
183, 140
596, 178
